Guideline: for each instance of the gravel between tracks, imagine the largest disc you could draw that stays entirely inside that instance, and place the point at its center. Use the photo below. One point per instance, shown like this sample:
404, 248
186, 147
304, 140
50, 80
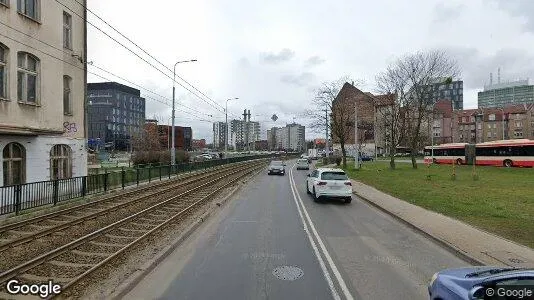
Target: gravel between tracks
103, 282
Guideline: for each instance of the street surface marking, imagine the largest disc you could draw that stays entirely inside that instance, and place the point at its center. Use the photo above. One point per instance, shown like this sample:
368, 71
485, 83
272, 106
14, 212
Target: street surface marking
329, 259
326, 274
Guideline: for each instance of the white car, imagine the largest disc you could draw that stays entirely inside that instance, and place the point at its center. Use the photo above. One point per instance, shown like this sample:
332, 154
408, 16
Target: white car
302, 164
329, 183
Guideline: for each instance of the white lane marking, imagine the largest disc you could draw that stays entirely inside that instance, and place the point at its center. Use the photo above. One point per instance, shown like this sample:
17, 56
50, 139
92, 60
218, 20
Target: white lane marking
331, 263
326, 274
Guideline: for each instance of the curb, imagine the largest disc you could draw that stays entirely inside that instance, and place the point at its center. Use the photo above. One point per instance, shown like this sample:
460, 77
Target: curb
450, 247
148, 267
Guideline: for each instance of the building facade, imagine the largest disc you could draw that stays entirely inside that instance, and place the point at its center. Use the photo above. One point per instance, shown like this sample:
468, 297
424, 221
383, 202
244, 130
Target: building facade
219, 135
116, 113
243, 134
292, 137
440, 89
508, 93
42, 91
183, 137
199, 144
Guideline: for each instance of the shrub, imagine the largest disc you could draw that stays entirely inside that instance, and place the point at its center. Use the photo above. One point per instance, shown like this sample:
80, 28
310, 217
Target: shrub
337, 159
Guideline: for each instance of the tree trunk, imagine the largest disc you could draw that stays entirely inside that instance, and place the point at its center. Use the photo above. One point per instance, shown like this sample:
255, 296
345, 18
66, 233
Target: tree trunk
414, 162
392, 157
344, 153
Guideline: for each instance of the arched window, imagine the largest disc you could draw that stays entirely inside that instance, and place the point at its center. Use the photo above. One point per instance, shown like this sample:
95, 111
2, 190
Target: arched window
60, 162
13, 164
3, 71
27, 78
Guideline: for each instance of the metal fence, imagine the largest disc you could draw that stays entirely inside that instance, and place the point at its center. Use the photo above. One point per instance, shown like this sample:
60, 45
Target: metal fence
16, 198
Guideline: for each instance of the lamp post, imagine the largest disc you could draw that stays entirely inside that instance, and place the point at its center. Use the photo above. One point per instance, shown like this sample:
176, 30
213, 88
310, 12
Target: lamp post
226, 127
502, 109
173, 150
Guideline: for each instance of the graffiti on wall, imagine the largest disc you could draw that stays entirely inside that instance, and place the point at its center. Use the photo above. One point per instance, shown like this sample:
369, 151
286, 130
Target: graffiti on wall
69, 128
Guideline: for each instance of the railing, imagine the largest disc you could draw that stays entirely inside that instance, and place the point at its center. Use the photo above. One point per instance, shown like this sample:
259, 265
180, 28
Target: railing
16, 198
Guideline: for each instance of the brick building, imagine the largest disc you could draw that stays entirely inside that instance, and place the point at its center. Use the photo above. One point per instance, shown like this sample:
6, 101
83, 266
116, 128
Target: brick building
198, 144
183, 137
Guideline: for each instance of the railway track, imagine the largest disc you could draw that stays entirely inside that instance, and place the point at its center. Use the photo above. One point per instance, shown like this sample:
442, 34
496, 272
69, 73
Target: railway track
74, 261
32, 237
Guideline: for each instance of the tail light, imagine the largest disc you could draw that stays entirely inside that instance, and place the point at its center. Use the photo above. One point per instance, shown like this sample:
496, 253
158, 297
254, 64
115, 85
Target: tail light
348, 183
321, 183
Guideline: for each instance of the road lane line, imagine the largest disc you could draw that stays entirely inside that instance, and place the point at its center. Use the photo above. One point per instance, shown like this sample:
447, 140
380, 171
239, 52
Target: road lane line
326, 274
329, 259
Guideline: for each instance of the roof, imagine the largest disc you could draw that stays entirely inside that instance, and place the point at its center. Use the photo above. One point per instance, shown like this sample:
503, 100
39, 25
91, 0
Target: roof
385, 100
517, 108
449, 145
514, 142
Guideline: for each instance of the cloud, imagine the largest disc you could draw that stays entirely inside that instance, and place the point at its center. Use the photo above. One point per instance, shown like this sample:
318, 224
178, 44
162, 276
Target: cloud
276, 58
314, 61
518, 8
476, 67
447, 12
302, 79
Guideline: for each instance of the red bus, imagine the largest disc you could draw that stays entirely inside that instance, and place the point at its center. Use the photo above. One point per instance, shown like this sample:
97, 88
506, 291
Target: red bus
507, 153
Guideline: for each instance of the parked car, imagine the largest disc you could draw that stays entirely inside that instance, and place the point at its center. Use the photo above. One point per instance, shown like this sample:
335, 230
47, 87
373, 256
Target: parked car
277, 167
475, 282
329, 183
303, 164
365, 157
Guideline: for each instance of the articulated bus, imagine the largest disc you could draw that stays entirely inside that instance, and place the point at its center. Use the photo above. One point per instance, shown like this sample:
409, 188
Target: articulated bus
507, 153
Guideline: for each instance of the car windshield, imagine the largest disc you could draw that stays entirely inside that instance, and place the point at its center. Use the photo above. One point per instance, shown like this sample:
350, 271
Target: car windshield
277, 163
334, 176
302, 161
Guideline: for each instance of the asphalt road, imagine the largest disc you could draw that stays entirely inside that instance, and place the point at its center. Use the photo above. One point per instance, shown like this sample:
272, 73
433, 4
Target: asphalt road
347, 251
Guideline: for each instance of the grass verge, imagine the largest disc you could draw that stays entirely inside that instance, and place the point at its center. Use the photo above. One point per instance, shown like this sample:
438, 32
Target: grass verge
500, 200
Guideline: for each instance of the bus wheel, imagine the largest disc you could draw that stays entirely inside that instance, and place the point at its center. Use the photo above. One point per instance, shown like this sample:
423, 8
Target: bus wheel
508, 163
459, 161
435, 161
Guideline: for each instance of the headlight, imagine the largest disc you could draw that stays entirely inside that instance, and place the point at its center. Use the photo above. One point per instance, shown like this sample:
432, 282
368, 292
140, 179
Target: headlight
434, 277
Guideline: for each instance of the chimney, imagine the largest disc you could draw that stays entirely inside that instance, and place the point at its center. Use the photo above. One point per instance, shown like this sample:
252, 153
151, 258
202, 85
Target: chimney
249, 115
353, 83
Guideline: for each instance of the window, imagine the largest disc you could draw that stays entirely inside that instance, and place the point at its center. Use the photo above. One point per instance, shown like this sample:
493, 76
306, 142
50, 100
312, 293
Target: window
27, 77
492, 117
13, 164
334, 176
494, 125
60, 162
67, 105
489, 126
519, 124
479, 126
489, 134
518, 134
67, 31
29, 8
3, 71
5, 2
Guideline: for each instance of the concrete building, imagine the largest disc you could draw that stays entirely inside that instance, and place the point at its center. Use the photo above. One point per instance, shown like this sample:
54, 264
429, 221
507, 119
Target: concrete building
243, 134
289, 138
115, 114
219, 131
507, 93
441, 90
42, 122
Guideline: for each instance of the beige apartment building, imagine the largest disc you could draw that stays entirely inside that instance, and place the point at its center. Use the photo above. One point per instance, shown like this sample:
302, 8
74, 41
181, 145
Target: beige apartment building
42, 90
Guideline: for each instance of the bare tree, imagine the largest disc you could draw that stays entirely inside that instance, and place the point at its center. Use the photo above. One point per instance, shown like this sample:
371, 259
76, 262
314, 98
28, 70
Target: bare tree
415, 75
333, 113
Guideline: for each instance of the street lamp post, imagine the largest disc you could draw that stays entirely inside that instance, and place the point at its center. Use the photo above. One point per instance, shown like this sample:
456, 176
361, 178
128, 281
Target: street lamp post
226, 128
173, 150
502, 109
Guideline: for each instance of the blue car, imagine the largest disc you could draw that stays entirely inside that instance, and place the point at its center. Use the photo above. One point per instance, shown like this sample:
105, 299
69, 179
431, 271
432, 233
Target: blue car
482, 283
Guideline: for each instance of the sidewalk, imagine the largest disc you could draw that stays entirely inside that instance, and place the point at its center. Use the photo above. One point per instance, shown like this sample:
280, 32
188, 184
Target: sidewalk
477, 246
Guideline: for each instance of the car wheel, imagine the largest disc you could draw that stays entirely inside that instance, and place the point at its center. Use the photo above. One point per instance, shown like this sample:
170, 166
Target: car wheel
348, 200
315, 198
508, 163
459, 161
307, 188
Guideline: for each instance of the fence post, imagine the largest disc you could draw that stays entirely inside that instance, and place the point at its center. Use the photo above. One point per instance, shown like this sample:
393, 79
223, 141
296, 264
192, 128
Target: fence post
137, 175
123, 177
160, 172
56, 191
84, 186
18, 196
105, 180
169, 170
149, 173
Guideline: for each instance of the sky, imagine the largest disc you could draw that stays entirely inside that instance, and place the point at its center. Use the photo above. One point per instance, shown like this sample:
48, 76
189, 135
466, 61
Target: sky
273, 54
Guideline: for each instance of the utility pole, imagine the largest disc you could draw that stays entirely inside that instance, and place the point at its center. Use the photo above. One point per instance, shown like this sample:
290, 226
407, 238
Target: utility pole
356, 142
327, 149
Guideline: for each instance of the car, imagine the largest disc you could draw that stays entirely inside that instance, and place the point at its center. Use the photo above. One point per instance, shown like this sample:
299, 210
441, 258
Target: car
303, 164
277, 167
365, 157
475, 282
329, 183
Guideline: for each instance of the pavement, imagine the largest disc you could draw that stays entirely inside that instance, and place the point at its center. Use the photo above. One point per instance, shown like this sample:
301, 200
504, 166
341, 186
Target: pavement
272, 241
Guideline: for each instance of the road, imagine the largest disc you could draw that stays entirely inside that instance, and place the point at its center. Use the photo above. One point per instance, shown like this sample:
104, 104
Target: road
348, 251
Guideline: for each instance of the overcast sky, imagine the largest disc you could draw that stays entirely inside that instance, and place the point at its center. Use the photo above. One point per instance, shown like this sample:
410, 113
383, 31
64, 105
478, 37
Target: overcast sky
271, 54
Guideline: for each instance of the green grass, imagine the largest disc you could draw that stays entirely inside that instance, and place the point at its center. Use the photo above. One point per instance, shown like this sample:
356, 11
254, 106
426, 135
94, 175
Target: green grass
500, 201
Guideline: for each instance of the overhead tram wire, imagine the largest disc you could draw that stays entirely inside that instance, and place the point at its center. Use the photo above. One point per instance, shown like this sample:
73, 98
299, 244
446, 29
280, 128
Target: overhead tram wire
146, 61
146, 52
69, 63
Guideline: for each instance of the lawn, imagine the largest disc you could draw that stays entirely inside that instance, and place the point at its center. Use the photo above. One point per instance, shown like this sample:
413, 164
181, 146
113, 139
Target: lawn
500, 201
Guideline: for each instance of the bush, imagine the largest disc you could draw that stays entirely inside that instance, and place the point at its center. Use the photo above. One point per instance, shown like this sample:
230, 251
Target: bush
338, 160
182, 156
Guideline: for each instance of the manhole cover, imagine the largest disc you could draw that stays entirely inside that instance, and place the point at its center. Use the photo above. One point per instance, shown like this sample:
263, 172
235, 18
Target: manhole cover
287, 273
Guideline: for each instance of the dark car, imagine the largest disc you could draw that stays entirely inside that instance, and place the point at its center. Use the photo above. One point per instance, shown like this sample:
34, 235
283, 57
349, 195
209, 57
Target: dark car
480, 283
365, 157
277, 167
